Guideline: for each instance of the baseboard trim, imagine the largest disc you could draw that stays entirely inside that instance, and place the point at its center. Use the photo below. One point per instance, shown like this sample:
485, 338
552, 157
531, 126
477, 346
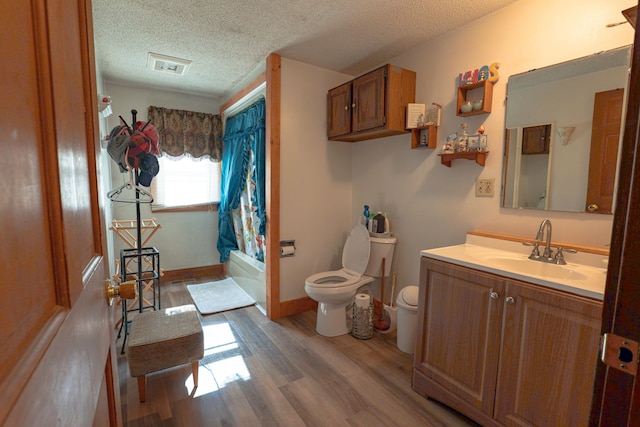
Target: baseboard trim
192, 273
295, 306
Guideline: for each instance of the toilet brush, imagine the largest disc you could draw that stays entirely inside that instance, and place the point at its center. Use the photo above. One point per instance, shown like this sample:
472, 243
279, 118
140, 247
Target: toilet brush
381, 324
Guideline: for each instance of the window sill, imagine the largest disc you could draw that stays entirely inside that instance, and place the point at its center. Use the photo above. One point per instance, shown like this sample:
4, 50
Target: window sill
209, 207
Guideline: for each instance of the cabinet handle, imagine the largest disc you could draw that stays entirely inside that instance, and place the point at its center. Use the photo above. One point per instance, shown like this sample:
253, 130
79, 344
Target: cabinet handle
510, 300
494, 295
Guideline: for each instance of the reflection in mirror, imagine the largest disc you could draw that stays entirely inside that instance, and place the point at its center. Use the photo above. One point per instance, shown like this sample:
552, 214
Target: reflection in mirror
563, 126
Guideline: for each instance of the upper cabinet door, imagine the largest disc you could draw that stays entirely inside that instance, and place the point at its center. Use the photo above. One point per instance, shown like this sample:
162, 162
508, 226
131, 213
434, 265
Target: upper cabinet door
369, 100
339, 111
536, 139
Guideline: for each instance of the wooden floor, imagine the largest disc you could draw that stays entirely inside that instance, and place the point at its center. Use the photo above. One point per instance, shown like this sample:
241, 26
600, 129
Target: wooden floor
258, 372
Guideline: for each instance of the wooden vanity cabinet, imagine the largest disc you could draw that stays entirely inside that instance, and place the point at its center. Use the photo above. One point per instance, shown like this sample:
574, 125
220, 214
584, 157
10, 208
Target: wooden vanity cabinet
502, 351
371, 106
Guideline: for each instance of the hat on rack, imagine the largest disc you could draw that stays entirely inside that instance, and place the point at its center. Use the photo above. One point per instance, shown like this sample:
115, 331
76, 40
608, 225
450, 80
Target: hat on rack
150, 132
149, 168
118, 145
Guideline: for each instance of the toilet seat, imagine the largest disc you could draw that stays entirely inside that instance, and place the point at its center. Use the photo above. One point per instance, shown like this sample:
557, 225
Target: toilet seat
355, 258
333, 279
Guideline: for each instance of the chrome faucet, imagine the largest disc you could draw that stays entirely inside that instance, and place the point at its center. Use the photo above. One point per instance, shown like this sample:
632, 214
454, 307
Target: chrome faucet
547, 254
547, 248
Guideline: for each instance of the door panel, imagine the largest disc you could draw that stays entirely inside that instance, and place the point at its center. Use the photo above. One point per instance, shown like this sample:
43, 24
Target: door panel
461, 332
533, 365
56, 325
616, 393
605, 137
368, 94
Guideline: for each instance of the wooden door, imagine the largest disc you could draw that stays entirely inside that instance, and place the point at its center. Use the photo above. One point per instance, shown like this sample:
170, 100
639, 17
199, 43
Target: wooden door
368, 94
548, 357
617, 391
605, 137
339, 111
56, 364
460, 316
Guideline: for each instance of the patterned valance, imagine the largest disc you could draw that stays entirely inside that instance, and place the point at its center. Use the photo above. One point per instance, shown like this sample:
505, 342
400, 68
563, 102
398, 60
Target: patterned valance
181, 133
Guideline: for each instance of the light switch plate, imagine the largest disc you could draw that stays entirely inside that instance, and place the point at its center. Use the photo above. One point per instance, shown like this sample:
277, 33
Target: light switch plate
485, 187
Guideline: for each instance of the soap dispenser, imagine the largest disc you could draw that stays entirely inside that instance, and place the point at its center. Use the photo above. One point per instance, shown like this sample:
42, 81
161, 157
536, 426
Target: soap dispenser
365, 217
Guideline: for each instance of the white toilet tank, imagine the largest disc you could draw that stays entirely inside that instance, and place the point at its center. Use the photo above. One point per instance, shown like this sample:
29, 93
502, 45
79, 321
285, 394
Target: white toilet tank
381, 247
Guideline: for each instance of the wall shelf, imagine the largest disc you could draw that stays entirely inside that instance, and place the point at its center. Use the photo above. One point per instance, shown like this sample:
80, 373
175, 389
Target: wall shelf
424, 137
479, 156
487, 97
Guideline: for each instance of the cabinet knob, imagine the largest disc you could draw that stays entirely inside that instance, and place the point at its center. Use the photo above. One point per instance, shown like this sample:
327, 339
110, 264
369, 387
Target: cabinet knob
346, 107
510, 300
493, 294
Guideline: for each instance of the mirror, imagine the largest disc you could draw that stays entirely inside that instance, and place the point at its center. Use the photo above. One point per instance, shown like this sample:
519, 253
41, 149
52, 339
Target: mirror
563, 128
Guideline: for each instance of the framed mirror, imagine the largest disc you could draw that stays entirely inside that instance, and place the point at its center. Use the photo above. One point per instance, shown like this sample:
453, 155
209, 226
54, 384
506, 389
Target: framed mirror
563, 130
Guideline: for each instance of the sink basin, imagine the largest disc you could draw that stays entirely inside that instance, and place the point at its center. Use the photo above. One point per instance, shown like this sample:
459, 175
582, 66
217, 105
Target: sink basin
584, 274
537, 268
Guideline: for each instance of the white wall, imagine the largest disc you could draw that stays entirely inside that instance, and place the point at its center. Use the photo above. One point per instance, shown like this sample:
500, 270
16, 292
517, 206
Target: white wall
315, 190
431, 205
186, 239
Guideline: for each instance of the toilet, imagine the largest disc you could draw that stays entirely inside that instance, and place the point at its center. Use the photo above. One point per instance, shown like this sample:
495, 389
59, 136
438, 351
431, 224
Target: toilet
335, 290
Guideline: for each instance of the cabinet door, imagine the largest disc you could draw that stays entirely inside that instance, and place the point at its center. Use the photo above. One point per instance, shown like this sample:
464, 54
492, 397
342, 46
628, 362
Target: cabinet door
339, 111
548, 358
536, 139
369, 100
459, 334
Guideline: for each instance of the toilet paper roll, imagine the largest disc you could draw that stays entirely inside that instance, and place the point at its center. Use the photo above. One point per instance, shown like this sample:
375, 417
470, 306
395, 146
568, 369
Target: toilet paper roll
363, 300
287, 250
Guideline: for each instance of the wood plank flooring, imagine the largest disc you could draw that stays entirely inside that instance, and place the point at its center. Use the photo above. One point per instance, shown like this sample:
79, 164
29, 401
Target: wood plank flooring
258, 372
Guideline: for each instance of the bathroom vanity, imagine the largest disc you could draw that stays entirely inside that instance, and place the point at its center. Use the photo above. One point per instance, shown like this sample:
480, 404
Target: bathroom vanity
507, 340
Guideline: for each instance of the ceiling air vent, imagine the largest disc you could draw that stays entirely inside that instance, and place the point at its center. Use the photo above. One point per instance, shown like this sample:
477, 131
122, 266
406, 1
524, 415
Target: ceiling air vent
168, 64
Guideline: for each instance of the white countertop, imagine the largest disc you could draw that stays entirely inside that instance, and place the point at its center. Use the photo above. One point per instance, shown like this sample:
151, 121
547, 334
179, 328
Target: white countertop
584, 274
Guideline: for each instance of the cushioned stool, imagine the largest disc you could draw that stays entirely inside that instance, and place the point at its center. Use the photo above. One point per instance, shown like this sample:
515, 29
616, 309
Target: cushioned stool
163, 339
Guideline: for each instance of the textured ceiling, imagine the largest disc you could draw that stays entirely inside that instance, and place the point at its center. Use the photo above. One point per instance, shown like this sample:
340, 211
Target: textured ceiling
228, 40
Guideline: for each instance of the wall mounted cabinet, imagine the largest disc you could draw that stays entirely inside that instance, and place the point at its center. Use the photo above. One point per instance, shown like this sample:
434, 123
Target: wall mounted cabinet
424, 137
502, 351
536, 139
371, 106
482, 90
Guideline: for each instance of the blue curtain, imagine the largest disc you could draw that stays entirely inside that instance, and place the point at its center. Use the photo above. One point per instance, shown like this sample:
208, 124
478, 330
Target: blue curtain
243, 132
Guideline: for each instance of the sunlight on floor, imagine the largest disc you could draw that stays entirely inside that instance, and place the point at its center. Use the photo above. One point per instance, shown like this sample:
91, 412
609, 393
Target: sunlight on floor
215, 375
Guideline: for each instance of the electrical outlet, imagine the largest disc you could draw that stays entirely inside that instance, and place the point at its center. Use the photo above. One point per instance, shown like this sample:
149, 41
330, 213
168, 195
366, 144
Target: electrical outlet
485, 187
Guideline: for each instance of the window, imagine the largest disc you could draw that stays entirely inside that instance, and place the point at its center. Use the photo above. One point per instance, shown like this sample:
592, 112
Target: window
186, 182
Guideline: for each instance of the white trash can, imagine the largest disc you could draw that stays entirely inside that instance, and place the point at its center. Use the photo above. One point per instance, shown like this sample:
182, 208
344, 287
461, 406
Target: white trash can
407, 303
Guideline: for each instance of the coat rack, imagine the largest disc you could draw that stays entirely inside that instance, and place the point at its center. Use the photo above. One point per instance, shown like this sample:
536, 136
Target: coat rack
144, 259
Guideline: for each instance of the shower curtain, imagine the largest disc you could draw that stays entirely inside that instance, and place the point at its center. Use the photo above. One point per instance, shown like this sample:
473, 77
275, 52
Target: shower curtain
241, 214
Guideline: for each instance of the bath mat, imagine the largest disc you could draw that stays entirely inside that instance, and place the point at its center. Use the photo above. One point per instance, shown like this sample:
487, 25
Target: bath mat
221, 295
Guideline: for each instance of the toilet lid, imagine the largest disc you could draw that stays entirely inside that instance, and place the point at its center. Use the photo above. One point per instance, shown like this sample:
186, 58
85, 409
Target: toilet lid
355, 255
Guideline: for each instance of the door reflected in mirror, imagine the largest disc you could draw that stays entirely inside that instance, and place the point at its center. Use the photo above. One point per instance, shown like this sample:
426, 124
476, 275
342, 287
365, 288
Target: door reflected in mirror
563, 129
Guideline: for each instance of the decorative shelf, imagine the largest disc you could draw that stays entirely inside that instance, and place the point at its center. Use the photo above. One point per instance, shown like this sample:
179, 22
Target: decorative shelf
479, 156
487, 97
424, 137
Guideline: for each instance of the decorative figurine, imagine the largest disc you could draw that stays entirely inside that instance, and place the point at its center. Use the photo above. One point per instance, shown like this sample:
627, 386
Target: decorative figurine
481, 130
462, 139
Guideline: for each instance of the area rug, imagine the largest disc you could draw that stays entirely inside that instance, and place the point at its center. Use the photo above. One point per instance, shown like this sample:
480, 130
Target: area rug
221, 295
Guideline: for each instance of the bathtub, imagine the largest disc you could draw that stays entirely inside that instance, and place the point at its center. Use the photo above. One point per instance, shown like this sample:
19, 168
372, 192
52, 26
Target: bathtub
249, 274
